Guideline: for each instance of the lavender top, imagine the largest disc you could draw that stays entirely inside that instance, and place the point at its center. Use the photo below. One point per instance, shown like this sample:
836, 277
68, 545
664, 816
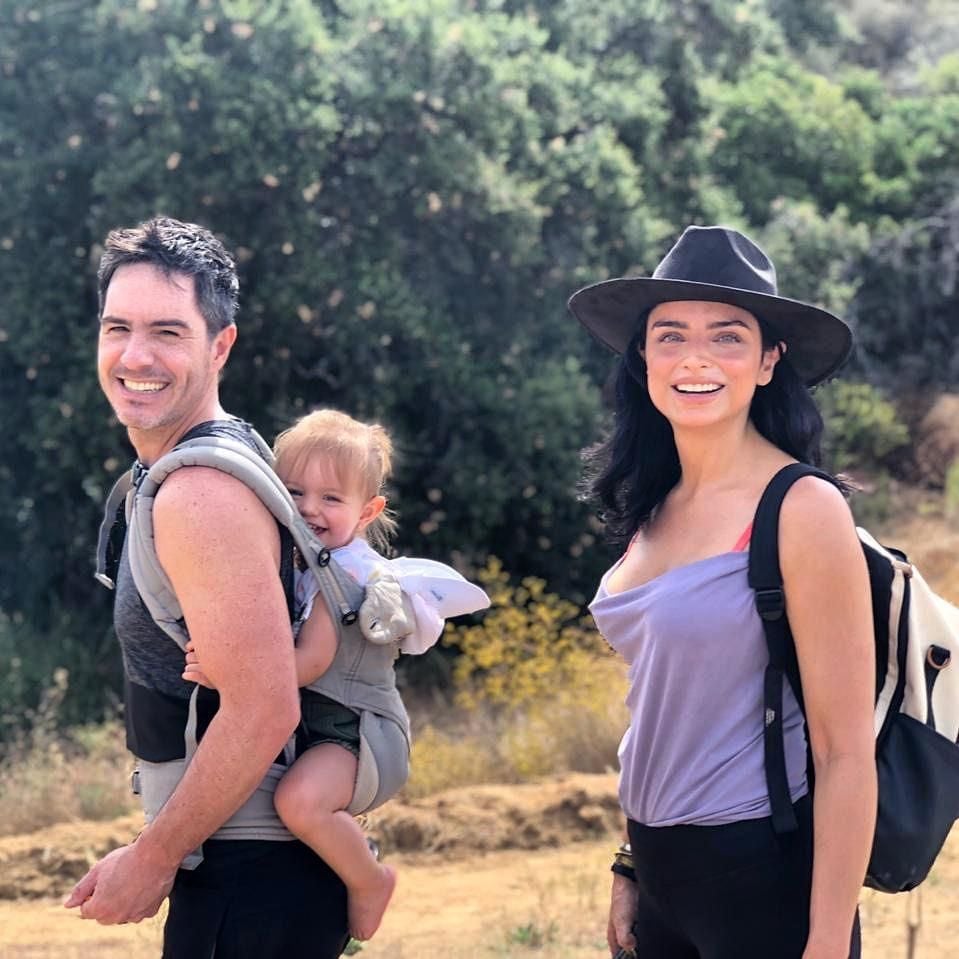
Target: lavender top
694, 644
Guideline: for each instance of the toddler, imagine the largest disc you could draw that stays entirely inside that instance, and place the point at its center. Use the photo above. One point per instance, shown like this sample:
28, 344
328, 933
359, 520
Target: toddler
335, 469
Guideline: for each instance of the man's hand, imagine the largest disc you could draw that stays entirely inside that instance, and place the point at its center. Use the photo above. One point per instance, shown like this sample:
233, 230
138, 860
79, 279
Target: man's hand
622, 914
124, 886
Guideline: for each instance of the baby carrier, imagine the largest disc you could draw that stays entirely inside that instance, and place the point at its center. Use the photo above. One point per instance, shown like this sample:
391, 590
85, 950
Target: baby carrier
354, 677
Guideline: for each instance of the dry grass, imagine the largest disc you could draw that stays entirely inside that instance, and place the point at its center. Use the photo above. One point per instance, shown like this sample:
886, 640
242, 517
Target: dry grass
50, 778
502, 905
930, 537
48, 775
576, 729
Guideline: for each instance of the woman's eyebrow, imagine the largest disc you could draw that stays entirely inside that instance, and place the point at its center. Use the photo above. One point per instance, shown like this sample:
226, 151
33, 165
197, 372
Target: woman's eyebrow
673, 324
721, 323
716, 324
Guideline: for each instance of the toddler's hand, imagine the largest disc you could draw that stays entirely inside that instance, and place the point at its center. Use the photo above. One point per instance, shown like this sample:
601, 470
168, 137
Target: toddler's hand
193, 672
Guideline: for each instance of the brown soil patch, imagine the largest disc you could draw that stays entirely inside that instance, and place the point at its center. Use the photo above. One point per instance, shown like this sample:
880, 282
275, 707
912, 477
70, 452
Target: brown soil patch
494, 871
456, 823
48, 862
474, 819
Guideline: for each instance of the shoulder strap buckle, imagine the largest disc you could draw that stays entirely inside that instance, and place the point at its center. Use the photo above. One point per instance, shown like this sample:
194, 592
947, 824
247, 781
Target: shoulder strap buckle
771, 603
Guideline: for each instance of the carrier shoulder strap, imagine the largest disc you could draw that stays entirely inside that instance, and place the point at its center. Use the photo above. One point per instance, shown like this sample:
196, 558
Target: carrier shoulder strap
766, 579
112, 530
341, 593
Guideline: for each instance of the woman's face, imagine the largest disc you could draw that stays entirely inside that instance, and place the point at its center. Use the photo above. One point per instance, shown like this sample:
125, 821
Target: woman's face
704, 361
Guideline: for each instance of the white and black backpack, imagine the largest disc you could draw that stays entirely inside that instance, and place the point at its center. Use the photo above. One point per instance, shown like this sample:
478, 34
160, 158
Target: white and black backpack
917, 697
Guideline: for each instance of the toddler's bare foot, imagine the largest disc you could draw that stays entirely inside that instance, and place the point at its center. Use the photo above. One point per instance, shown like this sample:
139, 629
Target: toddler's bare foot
367, 904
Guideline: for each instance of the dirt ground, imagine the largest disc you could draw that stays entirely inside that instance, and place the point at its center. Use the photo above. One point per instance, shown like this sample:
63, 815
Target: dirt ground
494, 871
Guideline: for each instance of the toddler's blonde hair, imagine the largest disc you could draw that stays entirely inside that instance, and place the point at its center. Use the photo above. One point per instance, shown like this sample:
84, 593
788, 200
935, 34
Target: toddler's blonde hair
361, 455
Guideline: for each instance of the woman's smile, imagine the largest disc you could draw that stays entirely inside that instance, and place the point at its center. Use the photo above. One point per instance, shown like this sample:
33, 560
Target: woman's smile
697, 389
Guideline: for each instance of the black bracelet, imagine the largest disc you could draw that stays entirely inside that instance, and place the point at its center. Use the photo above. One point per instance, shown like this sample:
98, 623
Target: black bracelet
623, 862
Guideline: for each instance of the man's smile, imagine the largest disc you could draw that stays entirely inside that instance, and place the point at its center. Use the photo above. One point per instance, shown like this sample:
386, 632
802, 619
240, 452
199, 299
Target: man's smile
142, 386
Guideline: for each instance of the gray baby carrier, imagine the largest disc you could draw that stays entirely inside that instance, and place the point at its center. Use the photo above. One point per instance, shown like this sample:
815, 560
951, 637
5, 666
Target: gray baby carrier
355, 677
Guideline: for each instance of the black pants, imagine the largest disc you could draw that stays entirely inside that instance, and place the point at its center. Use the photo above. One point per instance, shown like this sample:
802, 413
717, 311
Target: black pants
256, 900
725, 892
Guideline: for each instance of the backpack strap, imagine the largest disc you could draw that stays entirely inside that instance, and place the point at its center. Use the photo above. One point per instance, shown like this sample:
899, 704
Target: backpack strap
766, 579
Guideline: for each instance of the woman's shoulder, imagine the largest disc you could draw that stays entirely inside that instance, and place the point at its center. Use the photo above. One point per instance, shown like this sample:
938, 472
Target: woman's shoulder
809, 498
815, 519
814, 498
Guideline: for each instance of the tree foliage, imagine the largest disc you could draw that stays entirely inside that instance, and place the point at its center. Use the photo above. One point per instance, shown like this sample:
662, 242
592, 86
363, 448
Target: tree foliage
413, 188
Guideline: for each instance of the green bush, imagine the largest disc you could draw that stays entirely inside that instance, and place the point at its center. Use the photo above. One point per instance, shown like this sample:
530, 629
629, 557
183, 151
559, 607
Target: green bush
863, 429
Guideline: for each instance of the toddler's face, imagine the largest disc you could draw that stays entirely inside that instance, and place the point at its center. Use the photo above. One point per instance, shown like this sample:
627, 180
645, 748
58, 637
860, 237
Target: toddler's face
335, 509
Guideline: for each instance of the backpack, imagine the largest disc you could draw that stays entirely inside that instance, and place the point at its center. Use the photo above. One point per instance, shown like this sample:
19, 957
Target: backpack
917, 697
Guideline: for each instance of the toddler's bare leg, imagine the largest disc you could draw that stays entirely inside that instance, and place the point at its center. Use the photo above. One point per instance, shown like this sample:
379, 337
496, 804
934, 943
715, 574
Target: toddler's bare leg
311, 800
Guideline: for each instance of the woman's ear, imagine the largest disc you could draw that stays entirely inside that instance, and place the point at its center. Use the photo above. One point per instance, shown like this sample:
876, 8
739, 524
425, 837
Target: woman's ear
374, 506
770, 358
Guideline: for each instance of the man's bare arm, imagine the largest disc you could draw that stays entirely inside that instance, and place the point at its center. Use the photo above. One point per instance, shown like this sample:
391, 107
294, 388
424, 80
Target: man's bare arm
220, 548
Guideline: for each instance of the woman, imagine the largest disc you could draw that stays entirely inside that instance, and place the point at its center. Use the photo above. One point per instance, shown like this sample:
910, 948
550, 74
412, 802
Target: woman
711, 402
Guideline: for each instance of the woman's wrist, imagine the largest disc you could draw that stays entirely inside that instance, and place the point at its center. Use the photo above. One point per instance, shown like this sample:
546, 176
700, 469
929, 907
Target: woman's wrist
623, 863
823, 944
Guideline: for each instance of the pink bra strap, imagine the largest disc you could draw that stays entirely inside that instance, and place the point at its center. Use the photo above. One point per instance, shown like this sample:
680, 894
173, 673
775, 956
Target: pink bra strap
743, 542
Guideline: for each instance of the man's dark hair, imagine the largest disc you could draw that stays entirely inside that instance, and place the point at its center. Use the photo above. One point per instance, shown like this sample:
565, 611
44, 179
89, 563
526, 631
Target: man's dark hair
173, 246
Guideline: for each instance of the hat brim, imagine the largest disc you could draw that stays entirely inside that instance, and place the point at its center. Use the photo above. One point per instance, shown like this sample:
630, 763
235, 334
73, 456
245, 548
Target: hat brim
817, 342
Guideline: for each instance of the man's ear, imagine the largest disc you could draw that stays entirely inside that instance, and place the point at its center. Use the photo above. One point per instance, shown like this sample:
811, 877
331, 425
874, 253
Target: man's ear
222, 344
373, 507
768, 365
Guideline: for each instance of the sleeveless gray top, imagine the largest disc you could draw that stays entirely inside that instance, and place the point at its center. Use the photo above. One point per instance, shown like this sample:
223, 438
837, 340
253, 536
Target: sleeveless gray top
156, 699
694, 644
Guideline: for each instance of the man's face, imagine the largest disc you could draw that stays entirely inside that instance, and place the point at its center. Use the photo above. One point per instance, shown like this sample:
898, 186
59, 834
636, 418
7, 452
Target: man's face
157, 364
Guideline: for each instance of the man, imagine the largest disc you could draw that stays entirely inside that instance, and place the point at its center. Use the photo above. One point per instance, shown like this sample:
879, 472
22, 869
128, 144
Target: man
168, 296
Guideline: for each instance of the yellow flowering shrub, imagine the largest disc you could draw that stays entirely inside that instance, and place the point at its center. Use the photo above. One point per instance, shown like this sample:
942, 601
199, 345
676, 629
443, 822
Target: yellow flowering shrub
537, 693
530, 645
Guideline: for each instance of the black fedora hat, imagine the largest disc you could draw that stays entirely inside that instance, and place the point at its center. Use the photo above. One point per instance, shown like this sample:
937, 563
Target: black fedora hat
721, 265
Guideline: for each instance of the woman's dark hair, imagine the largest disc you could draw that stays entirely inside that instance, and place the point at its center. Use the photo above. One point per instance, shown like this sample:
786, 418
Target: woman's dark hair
630, 472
